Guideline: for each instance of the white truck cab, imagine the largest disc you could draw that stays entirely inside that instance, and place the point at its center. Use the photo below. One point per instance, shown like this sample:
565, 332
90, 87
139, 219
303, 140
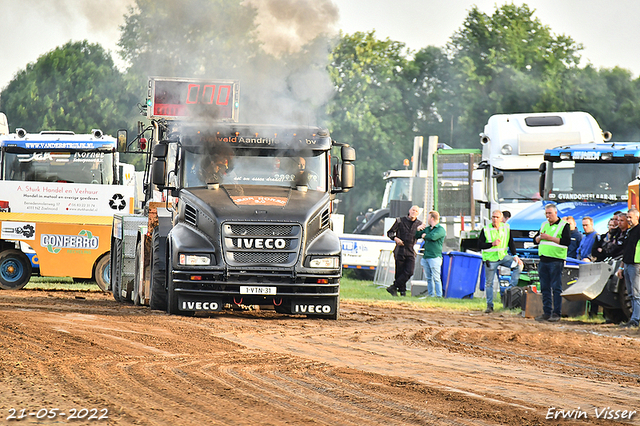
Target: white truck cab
513, 147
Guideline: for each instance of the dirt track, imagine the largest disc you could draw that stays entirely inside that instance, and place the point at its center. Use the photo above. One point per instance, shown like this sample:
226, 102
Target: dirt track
375, 366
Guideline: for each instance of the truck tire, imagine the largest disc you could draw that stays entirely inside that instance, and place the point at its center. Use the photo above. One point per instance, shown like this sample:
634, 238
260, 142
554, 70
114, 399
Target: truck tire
102, 272
614, 316
116, 259
15, 269
138, 276
158, 296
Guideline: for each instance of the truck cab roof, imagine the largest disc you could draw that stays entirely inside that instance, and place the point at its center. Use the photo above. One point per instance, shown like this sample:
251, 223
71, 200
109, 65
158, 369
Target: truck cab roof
55, 140
616, 151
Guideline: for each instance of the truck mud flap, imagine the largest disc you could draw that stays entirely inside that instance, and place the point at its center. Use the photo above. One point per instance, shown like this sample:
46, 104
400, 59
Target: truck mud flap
323, 306
591, 281
188, 303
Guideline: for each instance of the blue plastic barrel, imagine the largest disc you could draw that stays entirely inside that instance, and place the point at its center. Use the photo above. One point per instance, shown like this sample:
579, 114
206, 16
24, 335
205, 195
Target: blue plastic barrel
460, 272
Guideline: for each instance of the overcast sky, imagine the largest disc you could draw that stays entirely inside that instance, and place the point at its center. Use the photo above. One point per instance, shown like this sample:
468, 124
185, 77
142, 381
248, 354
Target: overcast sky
608, 29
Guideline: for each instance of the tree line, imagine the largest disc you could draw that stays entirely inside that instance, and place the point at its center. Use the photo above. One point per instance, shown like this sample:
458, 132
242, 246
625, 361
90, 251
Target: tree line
372, 93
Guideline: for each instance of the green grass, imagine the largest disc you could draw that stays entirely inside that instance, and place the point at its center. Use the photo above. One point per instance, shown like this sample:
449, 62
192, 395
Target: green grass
61, 283
367, 291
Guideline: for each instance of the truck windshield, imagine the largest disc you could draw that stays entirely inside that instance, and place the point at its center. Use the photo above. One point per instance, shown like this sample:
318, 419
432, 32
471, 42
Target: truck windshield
256, 167
51, 166
587, 181
396, 189
518, 186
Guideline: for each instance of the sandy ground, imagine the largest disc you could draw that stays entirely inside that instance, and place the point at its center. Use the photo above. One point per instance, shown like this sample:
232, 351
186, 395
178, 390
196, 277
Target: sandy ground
377, 365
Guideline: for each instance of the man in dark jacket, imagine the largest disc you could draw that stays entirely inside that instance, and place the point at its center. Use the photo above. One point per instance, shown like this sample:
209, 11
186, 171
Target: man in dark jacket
403, 232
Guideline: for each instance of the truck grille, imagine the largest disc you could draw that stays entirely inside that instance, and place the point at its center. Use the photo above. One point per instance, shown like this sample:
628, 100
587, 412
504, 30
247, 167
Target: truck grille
262, 230
261, 245
261, 257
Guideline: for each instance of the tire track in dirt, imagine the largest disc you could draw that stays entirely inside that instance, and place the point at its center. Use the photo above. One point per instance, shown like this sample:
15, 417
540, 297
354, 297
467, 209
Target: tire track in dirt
411, 367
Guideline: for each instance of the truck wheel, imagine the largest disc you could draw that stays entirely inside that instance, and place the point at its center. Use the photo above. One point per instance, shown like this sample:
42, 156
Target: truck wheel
102, 272
15, 269
116, 254
137, 276
158, 296
614, 316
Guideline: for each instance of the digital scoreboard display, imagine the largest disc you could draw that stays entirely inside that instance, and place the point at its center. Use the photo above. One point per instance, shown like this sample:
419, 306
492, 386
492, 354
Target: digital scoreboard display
173, 99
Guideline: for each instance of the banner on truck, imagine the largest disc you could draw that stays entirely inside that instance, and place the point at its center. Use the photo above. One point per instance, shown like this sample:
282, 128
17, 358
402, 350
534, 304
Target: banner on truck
67, 198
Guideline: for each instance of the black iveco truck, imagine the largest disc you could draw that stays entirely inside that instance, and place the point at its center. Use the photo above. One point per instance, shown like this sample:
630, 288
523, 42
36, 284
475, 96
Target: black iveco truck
237, 215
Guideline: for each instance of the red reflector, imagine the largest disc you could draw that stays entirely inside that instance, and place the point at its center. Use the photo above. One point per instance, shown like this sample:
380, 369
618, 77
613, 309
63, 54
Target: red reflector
323, 281
196, 277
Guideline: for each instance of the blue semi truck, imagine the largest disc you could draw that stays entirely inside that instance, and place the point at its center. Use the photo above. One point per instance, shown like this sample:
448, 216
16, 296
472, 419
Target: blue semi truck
584, 180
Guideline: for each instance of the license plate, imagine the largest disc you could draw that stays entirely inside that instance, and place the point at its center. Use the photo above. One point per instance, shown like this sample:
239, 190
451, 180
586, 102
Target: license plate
529, 245
257, 290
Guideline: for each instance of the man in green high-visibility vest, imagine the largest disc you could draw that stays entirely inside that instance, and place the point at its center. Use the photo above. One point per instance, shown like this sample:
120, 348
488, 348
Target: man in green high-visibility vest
553, 238
494, 241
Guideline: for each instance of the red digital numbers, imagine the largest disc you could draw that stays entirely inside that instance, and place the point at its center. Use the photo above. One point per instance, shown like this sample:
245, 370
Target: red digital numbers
206, 94
192, 98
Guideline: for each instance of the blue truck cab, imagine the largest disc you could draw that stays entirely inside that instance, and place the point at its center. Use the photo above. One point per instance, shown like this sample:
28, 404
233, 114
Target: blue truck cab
582, 180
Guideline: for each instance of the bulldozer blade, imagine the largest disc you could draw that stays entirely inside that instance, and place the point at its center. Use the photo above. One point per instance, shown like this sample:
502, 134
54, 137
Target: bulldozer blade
592, 278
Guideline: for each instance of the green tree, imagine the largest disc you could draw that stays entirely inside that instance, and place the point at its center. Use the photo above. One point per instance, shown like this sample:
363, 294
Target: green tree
507, 62
74, 87
188, 38
431, 100
369, 112
612, 96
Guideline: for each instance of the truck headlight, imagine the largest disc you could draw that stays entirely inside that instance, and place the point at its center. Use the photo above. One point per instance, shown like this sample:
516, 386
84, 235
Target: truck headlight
325, 262
194, 260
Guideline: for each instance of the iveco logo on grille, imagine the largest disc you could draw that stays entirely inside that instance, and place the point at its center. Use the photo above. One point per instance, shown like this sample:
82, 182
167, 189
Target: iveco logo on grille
261, 243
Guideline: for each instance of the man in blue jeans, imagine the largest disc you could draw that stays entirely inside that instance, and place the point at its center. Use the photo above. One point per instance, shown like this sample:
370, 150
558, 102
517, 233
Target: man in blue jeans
553, 238
494, 241
433, 236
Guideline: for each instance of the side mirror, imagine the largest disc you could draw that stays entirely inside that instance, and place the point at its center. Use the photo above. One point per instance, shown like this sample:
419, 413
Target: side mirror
160, 150
498, 176
542, 168
158, 172
348, 153
348, 176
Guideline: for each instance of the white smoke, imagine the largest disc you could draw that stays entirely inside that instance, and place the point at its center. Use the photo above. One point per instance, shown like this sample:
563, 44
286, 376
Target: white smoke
285, 26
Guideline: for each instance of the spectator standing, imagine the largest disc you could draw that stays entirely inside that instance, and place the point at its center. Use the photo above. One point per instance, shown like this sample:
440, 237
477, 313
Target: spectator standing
433, 236
630, 266
506, 215
586, 244
553, 238
494, 240
576, 237
403, 232
604, 245
615, 218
